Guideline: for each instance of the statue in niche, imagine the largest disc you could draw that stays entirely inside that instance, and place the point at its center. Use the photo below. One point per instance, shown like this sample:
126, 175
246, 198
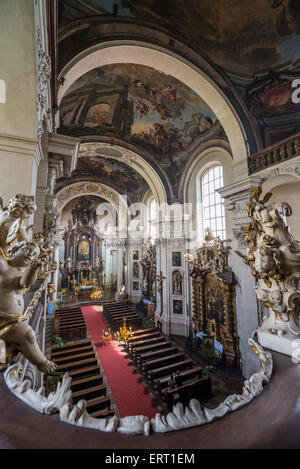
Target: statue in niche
69, 264
149, 269
12, 218
274, 258
177, 279
135, 270
18, 272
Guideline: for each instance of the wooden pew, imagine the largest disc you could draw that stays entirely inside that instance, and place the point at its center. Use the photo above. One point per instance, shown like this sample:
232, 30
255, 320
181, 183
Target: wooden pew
84, 372
157, 354
71, 345
150, 335
74, 351
169, 369
148, 348
199, 389
98, 403
185, 375
103, 414
76, 365
72, 358
79, 383
143, 331
89, 393
163, 361
69, 332
143, 343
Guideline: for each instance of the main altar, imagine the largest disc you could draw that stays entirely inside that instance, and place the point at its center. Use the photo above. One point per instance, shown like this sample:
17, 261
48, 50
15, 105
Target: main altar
82, 267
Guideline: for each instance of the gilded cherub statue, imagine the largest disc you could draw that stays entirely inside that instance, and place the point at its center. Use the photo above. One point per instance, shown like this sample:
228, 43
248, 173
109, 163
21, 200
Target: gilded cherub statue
12, 217
19, 270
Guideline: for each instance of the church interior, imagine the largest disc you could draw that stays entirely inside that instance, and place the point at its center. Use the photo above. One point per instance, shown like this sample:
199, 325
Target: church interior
149, 217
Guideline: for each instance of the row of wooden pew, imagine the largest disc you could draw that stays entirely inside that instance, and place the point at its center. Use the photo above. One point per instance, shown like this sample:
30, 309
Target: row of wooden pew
80, 360
115, 313
69, 323
157, 357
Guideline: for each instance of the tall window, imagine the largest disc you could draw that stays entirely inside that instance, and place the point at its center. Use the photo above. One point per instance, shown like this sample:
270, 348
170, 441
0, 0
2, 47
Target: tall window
213, 214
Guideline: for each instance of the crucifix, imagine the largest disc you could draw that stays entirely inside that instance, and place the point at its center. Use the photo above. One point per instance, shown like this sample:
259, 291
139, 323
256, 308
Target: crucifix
160, 279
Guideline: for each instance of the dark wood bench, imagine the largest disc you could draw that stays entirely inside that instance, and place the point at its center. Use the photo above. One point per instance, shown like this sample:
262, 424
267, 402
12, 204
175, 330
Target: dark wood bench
199, 389
70, 346
185, 375
157, 354
89, 393
144, 343
133, 340
148, 348
103, 414
76, 365
79, 383
74, 351
169, 369
98, 403
163, 361
143, 331
72, 358
84, 372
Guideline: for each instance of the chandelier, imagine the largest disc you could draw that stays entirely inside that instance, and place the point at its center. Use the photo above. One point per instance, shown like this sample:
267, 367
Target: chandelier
124, 333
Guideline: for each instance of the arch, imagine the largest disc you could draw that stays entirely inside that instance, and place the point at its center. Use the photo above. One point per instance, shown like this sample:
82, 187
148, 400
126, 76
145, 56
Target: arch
134, 160
77, 189
171, 64
200, 163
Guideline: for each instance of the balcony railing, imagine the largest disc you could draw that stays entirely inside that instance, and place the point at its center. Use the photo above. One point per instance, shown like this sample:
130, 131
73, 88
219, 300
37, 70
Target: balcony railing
275, 154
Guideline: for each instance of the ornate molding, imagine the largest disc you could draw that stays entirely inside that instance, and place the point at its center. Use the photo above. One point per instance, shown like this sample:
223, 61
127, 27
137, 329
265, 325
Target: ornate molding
87, 188
43, 86
181, 417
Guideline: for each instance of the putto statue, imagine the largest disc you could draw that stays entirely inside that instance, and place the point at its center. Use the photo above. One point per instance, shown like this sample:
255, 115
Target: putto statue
18, 272
12, 217
274, 258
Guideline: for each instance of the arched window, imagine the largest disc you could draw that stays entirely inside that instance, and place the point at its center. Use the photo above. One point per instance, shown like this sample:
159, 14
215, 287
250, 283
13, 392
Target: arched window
151, 216
213, 214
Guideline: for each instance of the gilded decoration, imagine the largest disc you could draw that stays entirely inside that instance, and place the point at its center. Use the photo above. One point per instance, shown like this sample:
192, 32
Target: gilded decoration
22, 263
213, 293
273, 256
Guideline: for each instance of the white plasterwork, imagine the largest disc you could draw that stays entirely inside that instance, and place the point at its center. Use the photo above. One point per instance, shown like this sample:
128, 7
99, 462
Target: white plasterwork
193, 415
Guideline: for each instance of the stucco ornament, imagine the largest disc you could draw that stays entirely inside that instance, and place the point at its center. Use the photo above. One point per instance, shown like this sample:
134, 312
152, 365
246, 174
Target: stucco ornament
181, 417
274, 258
12, 218
37, 399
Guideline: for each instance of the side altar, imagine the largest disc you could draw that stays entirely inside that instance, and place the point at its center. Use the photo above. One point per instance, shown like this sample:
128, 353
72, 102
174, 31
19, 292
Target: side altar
213, 295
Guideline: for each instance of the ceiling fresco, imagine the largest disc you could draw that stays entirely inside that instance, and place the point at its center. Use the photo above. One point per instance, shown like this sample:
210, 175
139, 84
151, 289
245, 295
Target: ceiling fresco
117, 174
142, 106
240, 36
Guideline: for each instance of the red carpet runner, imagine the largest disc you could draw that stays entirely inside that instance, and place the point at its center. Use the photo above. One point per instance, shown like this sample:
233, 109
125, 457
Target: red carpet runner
130, 395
